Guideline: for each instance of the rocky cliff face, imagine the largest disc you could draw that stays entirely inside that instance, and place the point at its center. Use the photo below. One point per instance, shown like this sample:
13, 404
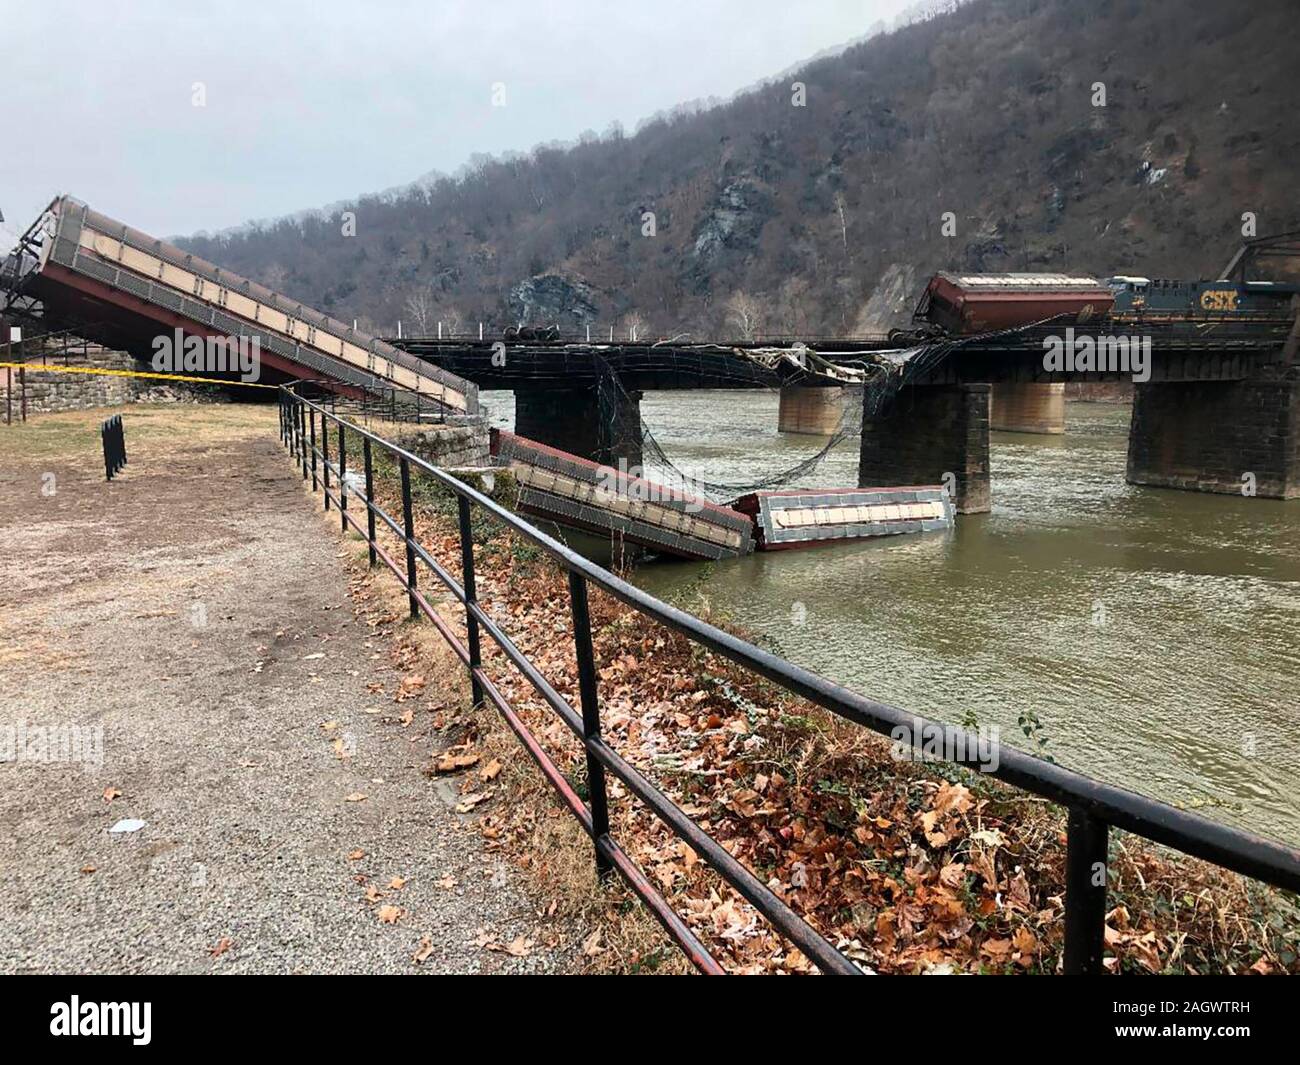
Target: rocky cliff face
892, 302
734, 221
554, 300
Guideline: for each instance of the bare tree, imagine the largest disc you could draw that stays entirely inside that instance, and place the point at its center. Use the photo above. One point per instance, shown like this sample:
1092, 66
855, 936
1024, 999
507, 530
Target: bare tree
419, 307
744, 313
451, 318
634, 325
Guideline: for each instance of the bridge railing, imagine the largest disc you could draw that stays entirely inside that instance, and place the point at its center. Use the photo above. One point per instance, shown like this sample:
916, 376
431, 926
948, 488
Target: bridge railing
1092, 807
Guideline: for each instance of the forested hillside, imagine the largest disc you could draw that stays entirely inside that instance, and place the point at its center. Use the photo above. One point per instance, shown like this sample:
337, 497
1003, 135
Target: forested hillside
822, 210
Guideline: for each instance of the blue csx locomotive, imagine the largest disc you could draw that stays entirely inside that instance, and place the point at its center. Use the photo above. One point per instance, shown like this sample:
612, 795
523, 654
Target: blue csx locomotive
1253, 300
1232, 297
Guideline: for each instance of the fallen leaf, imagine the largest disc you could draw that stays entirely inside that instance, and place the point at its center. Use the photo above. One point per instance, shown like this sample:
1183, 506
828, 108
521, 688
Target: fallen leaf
390, 914
110, 794
87, 868
397, 883
519, 947
1024, 940
356, 855
356, 796
223, 945
447, 882
491, 770
457, 759
422, 953
474, 798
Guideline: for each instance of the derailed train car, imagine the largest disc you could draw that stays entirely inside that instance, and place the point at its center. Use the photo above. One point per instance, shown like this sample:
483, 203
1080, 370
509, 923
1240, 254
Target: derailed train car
582, 494
967, 304
803, 517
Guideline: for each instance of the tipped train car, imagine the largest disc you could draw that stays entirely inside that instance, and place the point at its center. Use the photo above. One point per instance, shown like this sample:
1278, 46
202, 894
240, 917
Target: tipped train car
573, 491
803, 517
124, 289
968, 304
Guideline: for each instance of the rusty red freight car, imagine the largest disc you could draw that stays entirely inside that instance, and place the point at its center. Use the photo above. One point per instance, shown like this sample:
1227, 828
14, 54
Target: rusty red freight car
962, 304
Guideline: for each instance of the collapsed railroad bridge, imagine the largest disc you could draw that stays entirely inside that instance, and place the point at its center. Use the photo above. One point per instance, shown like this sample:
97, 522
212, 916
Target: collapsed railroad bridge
1216, 391
76, 270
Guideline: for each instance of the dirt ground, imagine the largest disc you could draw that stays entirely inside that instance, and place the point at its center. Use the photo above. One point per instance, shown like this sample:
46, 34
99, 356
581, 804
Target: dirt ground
196, 610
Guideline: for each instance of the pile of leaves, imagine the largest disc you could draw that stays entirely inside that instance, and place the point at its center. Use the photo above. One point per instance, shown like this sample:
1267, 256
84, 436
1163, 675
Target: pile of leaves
905, 867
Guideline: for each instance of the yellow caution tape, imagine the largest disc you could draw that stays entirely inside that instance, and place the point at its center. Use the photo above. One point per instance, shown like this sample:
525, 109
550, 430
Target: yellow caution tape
45, 368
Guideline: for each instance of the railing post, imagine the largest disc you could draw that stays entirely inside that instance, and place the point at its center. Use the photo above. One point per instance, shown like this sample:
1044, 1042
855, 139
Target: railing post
1085, 894
590, 713
408, 523
343, 480
471, 597
370, 498
325, 458
302, 435
311, 418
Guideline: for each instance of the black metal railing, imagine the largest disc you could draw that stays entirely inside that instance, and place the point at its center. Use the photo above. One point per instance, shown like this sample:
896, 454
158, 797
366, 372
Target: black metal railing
113, 437
1092, 807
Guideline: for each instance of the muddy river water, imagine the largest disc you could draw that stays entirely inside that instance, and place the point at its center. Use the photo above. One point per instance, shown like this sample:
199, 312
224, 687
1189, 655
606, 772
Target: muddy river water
1156, 634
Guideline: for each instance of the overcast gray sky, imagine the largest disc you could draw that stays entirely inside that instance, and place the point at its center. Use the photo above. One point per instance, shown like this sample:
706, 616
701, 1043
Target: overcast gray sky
308, 103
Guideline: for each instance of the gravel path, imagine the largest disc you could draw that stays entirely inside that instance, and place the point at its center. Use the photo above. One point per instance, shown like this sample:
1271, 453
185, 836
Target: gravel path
196, 611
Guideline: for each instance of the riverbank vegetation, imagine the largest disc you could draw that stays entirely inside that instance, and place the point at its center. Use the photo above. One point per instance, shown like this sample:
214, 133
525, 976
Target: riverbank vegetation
907, 868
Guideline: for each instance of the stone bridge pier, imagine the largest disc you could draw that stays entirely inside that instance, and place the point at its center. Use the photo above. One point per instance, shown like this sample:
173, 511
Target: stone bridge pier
1234, 437
600, 422
931, 434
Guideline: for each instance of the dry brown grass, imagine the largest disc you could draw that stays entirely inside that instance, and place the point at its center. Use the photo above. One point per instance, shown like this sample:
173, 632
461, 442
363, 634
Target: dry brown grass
74, 435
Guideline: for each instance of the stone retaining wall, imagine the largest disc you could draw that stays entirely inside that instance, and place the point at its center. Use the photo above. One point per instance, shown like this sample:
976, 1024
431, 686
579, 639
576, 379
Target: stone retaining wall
49, 390
462, 442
